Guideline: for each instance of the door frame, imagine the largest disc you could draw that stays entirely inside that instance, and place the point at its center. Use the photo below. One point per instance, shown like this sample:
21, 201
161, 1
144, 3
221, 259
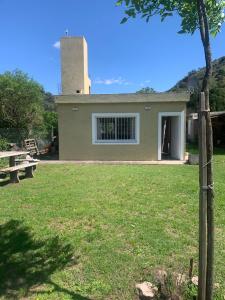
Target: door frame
181, 132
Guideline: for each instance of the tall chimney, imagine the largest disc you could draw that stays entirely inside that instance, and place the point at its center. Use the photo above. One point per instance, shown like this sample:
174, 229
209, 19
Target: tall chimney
74, 66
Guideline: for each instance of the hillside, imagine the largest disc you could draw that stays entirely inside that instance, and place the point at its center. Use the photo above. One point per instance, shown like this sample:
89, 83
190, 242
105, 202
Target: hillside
192, 82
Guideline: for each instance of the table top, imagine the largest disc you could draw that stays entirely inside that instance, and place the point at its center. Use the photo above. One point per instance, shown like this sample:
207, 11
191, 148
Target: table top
4, 154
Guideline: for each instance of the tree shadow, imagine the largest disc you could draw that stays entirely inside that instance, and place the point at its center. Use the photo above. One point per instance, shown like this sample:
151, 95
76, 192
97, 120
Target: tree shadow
5, 179
26, 262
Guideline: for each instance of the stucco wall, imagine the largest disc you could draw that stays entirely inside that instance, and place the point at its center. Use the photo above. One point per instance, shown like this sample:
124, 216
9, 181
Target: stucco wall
75, 131
74, 65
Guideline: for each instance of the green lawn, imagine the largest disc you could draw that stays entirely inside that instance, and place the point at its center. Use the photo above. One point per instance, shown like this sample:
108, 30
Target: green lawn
92, 232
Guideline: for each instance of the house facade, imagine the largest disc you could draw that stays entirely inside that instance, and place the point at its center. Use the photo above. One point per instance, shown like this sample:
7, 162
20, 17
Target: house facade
113, 127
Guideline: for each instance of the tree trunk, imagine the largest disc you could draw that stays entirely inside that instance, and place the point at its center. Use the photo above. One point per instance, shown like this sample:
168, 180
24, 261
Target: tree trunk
202, 199
204, 30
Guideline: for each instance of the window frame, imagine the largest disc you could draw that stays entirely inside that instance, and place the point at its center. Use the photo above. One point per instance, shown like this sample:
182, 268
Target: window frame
95, 140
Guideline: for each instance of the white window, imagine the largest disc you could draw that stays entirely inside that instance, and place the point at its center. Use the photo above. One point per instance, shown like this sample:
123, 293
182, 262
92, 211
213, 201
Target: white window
115, 128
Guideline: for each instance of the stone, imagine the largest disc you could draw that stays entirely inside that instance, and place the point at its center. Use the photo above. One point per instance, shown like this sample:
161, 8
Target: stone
146, 290
194, 280
193, 159
216, 285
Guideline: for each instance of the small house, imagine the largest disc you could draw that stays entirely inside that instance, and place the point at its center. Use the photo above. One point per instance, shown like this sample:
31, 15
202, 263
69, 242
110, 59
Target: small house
116, 127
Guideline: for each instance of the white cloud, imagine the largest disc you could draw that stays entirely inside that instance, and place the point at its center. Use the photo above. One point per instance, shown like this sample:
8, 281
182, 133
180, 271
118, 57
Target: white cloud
57, 45
110, 81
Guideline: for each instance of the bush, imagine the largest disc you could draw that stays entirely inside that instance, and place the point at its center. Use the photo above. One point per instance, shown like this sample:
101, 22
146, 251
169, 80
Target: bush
4, 145
21, 103
51, 122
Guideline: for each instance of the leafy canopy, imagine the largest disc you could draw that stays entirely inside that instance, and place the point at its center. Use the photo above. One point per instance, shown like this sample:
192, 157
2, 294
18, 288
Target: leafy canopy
21, 101
146, 90
186, 9
50, 120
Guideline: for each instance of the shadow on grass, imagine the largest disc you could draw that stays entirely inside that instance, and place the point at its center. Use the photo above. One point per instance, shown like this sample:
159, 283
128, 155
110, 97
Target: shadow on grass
26, 263
5, 179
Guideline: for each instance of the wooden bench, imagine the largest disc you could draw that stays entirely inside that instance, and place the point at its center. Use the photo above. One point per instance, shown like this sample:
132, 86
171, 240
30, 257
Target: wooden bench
19, 161
27, 160
14, 171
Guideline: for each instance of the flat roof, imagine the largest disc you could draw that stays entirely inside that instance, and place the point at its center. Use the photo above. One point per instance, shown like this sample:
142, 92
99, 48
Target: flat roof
213, 114
123, 98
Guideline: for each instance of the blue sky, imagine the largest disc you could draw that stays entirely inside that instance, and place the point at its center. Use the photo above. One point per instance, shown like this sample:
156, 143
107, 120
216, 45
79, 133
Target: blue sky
122, 58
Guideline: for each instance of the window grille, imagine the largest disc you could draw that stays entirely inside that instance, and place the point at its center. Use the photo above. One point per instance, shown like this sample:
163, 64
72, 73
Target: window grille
116, 129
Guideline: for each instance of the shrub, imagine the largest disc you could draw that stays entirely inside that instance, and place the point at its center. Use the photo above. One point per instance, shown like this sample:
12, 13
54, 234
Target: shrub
4, 145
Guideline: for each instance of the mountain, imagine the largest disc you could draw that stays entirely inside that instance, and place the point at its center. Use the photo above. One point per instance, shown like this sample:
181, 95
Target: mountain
192, 82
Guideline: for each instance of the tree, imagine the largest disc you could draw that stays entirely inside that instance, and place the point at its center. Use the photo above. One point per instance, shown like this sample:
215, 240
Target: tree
206, 16
51, 122
146, 90
193, 83
49, 102
21, 102
217, 99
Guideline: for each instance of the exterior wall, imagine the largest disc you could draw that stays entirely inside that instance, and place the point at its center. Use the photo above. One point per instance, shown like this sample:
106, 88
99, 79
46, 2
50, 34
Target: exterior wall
75, 130
175, 139
192, 132
87, 81
74, 65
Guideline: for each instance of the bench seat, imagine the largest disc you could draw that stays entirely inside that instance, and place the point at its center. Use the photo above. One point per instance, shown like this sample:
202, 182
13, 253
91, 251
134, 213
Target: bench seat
13, 171
30, 160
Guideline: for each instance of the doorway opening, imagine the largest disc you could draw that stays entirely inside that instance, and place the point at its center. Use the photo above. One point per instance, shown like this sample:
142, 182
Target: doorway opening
171, 136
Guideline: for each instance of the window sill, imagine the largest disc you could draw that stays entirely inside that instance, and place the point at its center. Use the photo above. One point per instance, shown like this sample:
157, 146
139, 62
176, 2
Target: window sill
115, 143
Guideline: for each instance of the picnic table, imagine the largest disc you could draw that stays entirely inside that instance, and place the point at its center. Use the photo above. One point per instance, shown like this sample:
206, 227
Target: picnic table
17, 163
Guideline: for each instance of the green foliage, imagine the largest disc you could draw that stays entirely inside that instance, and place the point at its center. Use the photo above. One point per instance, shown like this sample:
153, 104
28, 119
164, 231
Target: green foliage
217, 99
4, 146
49, 102
190, 291
50, 120
21, 101
193, 82
186, 9
146, 90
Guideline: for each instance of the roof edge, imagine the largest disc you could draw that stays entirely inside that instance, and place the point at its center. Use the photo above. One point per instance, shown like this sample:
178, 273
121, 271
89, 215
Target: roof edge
123, 98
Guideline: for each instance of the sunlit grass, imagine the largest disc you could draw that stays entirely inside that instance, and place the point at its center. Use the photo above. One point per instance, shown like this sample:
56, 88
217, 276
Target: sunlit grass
121, 222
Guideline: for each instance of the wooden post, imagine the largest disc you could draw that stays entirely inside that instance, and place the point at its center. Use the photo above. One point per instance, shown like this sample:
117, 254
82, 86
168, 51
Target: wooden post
14, 177
202, 200
29, 172
12, 163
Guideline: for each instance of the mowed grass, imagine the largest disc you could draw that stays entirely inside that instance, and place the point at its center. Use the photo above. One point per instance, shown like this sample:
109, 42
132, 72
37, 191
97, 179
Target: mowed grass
93, 231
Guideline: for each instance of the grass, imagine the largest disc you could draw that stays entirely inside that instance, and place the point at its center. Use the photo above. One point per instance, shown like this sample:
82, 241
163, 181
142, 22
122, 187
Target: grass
92, 232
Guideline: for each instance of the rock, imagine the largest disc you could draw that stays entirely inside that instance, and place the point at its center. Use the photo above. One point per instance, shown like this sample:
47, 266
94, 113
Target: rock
194, 280
216, 285
146, 290
193, 159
